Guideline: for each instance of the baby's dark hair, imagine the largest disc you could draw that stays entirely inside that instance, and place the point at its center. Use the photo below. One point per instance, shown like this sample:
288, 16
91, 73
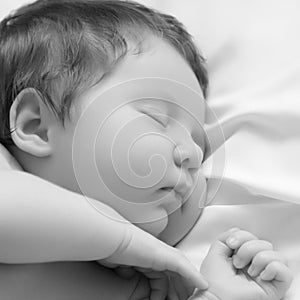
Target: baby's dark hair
58, 47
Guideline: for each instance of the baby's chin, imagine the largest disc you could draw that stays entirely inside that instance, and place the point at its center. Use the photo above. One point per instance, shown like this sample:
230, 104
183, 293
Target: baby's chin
174, 227
181, 221
171, 226
156, 227
179, 225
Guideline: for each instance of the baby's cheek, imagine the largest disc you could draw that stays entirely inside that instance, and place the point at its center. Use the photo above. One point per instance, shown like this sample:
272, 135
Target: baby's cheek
150, 157
134, 158
131, 168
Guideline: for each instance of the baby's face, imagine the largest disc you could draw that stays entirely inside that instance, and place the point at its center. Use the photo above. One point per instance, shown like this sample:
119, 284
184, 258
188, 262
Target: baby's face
137, 142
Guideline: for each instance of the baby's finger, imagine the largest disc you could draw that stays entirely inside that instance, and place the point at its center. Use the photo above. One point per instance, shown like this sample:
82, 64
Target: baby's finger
280, 275
158, 284
248, 250
162, 285
172, 293
224, 235
262, 259
239, 237
179, 288
276, 271
159, 289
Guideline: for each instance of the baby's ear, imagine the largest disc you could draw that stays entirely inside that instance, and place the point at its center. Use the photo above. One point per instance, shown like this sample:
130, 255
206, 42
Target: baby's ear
29, 124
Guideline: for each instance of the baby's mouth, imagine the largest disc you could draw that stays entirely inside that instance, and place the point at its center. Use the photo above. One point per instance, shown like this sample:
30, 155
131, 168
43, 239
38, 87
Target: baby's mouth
180, 194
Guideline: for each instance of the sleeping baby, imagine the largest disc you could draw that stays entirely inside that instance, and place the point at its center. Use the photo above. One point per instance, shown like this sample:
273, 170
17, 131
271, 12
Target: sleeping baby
106, 99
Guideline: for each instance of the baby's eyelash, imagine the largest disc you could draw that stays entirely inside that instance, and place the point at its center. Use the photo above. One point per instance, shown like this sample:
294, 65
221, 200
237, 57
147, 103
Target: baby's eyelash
157, 116
160, 118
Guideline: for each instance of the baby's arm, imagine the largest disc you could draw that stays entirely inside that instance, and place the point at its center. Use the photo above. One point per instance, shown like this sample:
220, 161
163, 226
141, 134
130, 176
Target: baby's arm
240, 266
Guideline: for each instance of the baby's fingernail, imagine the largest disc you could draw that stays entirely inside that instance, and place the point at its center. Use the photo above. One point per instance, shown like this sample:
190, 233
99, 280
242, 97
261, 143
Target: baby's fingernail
232, 242
263, 275
237, 262
251, 270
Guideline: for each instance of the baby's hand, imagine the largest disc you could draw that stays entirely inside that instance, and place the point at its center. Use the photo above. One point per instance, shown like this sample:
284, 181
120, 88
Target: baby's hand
257, 259
240, 266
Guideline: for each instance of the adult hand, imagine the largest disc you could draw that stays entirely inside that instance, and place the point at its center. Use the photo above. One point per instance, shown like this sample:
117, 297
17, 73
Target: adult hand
156, 260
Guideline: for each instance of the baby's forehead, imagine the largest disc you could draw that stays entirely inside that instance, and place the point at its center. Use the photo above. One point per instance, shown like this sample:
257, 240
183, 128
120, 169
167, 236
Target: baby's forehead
156, 59
159, 73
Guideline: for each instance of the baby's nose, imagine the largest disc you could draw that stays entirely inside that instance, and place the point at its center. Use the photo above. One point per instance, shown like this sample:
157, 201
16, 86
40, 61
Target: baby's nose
188, 155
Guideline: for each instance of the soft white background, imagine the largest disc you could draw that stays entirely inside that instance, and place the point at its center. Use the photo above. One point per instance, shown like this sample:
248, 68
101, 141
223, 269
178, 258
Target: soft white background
8, 6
